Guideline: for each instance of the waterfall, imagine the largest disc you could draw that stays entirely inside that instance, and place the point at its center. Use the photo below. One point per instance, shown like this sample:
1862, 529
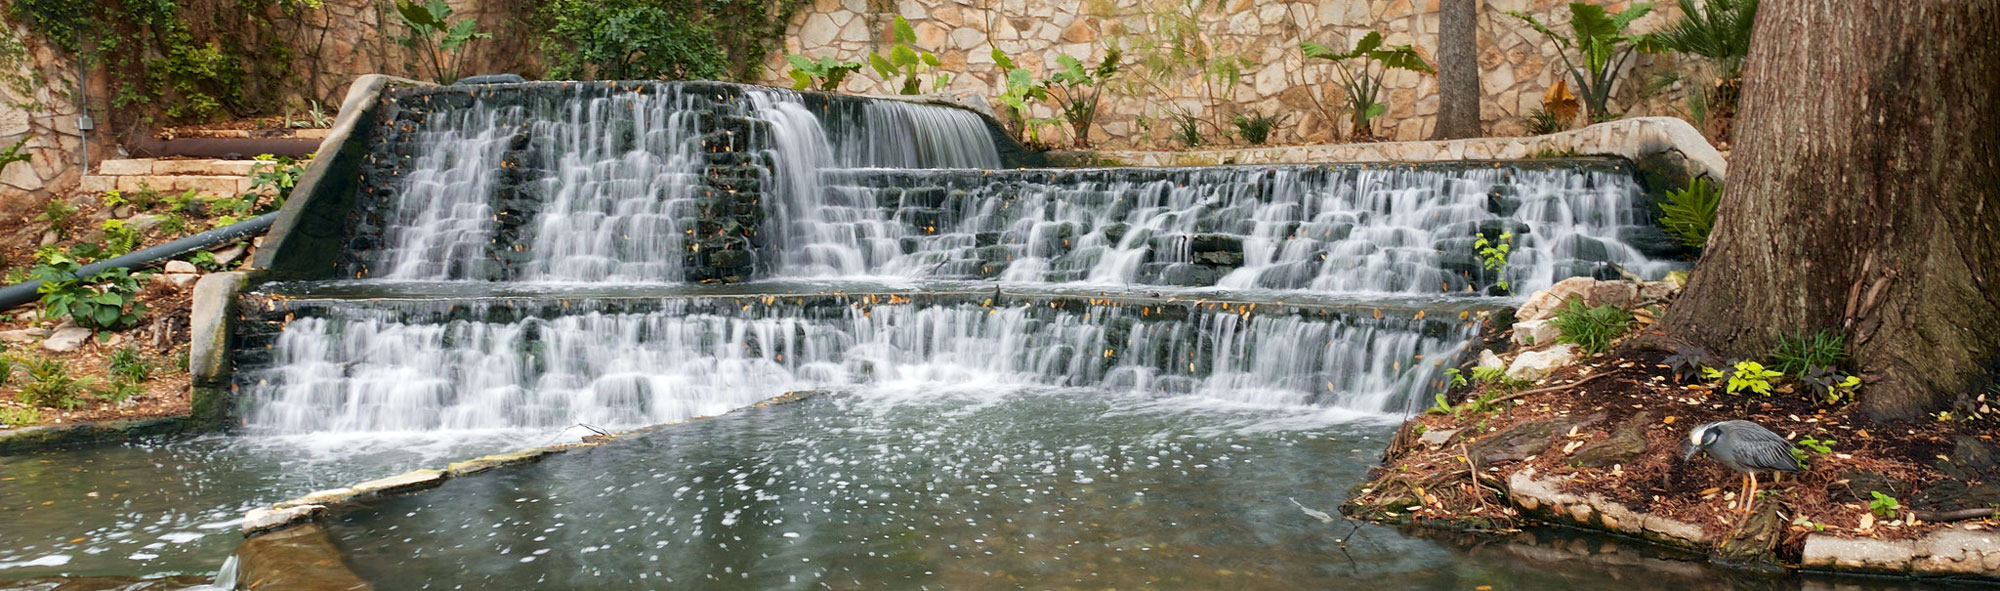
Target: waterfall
408, 367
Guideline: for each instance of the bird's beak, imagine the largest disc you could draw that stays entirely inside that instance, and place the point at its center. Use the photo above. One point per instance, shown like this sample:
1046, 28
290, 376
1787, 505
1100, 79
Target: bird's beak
1688, 450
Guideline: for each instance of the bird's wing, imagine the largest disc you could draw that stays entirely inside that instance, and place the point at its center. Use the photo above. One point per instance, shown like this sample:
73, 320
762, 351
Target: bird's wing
1759, 448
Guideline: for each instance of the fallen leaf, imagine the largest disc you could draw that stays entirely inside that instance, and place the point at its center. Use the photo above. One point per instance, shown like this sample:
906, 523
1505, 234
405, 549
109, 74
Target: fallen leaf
1669, 420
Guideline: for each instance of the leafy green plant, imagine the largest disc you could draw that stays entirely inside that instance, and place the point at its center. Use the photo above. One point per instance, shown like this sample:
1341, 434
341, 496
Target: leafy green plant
1022, 91
19, 416
630, 39
908, 62
118, 238
278, 175
1361, 70
6, 369
1797, 354
1591, 328
105, 300
1688, 363
1187, 129
205, 261
1493, 255
118, 391
1454, 378
1542, 122
1718, 33
1745, 375
1884, 506
1830, 386
1256, 127
824, 74
1600, 48
51, 385
1076, 90
1811, 447
1176, 59
127, 364
1689, 212
436, 38
14, 154
57, 213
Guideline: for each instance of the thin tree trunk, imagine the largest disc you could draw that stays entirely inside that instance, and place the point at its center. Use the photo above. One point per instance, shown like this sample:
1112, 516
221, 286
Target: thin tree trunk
1864, 197
1458, 70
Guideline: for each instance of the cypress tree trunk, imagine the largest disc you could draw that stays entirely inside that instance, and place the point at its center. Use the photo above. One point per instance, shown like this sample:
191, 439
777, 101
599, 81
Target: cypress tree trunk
1458, 70
1864, 197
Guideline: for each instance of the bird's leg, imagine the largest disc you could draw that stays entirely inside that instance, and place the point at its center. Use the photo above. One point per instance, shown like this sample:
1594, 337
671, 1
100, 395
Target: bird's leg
1753, 490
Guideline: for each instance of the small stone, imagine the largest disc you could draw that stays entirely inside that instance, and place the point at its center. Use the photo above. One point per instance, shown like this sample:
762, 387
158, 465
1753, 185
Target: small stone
1488, 359
181, 267
67, 339
261, 519
143, 223
1535, 332
182, 279
1535, 365
1437, 437
25, 335
229, 255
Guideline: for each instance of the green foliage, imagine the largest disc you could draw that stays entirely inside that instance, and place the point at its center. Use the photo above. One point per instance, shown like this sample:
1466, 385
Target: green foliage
1746, 375
824, 74
1187, 129
277, 174
1596, 50
56, 213
6, 369
154, 62
1175, 49
50, 385
14, 154
105, 300
1591, 328
630, 39
907, 61
1361, 70
128, 365
1256, 127
1884, 506
436, 38
119, 239
118, 391
1830, 386
1816, 447
1690, 363
1797, 354
20, 416
1689, 212
1076, 90
1717, 32
205, 261
1493, 255
1542, 122
1022, 90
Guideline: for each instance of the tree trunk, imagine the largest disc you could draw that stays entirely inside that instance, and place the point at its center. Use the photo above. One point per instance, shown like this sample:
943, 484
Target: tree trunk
1458, 70
1868, 157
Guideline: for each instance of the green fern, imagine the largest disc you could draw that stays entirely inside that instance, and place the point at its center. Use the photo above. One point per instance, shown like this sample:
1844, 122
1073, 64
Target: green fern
1689, 213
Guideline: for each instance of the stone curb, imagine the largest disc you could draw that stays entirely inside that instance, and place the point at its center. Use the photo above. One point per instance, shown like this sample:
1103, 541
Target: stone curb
1635, 138
33, 439
299, 511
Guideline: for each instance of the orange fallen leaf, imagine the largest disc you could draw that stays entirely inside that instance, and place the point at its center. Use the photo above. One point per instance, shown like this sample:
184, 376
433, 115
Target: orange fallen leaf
1668, 420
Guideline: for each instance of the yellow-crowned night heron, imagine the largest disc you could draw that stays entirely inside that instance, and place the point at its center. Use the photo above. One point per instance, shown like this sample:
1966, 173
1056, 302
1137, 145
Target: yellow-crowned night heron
1743, 446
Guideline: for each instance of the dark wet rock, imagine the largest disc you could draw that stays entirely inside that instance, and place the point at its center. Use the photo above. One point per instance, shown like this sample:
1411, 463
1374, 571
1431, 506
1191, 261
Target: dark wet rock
1755, 539
1626, 443
1654, 242
1524, 439
301, 558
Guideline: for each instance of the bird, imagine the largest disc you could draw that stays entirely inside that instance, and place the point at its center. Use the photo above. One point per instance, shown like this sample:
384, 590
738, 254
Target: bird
1742, 446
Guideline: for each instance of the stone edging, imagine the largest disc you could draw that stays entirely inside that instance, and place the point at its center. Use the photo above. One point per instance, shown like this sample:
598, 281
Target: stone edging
30, 439
1955, 552
1635, 138
303, 510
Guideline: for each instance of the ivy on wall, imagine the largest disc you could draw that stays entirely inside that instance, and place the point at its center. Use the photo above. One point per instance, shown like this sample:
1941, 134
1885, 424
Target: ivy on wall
177, 60
661, 39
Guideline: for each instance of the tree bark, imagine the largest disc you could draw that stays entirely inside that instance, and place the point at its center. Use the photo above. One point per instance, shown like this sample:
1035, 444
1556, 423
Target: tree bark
1864, 197
1458, 70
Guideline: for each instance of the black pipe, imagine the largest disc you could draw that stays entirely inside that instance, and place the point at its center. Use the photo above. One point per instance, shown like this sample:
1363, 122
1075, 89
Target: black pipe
24, 292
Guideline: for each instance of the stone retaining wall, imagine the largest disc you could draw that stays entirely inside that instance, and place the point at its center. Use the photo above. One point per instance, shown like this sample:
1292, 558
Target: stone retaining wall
1516, 64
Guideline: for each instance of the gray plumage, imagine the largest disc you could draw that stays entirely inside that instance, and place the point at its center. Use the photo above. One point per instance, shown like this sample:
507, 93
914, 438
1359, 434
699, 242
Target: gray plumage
1743, 446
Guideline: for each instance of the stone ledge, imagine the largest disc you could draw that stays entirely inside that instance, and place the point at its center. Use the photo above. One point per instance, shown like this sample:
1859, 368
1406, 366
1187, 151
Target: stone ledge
1635, 138
30, 439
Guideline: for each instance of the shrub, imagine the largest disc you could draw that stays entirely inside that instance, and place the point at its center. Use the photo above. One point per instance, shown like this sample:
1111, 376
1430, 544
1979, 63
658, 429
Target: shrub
1361, 70
106, 300
1187, 129
1256, 127
56, 213
629, 39
119, 239
1022, 89
51, 385
1591, 328
1600, 46
1798, 354
1689, 212
276, 174
1076, 90
1542, 122
1745, 375
436, 38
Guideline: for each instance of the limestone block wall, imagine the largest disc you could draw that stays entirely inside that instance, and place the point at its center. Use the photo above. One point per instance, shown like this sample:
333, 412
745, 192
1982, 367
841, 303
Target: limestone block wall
32, 106
1516, 64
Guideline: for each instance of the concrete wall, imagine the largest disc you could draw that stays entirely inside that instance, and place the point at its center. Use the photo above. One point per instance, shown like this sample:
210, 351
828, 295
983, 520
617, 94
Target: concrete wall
1516, 64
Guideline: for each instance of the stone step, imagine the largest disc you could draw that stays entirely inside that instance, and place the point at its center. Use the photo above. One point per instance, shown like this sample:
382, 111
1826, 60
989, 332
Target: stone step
151, 166
214, 186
